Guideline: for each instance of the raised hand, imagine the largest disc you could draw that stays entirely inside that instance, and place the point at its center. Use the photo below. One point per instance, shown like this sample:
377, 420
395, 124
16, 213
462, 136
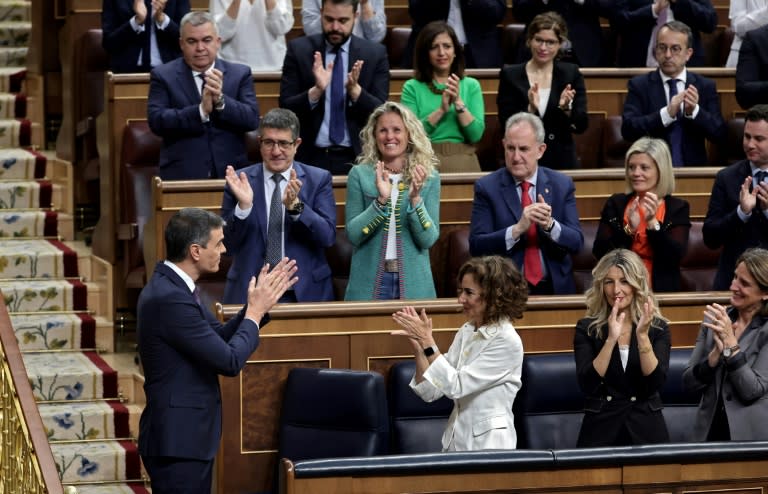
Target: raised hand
690, 99
634, 214
158, 10
674, 104
240, 187
383, 185
646, 316
416, 326
649, 203
533, 98
322, 74
291, 193
264, 292
615, 323
418, 177
566, 97
353, 86
747, 199
140, 10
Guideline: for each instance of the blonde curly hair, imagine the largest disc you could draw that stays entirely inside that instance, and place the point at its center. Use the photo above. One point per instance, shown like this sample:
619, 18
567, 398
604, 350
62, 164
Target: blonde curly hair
419, 146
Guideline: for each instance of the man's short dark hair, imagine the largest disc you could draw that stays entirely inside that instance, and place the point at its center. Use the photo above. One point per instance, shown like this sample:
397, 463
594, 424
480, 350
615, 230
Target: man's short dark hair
757, 113
680, 27
353, 3
281, 119
189, 226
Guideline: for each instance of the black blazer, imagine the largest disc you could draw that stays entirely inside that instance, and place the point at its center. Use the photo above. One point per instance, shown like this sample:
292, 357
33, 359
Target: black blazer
752, 69
123, 45
621, 398
669, 244
298, 79
722, 226
634, 22
559, 126
480, 18
646, 96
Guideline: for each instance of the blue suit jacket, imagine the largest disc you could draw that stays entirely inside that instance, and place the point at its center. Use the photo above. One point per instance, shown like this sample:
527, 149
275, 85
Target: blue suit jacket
305, 239
634, 21
298, 79
723, 227
193, 149
184, 349
496, 206
646, 96
122, 43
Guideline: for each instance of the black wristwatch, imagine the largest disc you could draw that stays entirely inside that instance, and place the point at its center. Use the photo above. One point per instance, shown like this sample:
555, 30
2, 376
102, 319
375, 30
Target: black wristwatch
430, 350
296, 208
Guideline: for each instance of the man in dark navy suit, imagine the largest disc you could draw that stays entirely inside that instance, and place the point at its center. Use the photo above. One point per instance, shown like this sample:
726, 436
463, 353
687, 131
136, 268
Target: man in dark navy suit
184, 349
332, 82
737, 217
672, 103
528, 212
201, 106
305, 208
141, 34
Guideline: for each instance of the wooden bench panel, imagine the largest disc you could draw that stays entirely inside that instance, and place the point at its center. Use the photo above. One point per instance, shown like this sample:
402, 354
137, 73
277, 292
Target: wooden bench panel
356, 335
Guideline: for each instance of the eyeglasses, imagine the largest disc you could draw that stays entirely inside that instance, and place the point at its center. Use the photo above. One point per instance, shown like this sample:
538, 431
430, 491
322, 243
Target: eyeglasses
271, 143
549, 43
675, 49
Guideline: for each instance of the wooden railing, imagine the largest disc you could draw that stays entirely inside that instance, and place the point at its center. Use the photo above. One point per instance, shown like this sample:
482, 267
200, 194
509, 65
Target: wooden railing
26, 462
356, 335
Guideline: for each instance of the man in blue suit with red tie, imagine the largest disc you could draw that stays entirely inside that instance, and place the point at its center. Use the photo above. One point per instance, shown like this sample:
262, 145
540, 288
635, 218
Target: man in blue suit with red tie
184, 348
528, 212
201, 106
672, 103
276, 208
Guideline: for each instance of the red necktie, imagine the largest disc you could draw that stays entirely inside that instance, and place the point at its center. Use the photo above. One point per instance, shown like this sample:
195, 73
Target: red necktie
531, 260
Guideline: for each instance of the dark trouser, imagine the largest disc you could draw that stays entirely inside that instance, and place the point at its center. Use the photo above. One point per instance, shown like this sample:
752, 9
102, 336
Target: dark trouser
544, 287
336, 159
170, 475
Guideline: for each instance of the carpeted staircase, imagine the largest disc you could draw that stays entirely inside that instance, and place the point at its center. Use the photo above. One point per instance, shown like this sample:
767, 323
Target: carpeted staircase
58, 293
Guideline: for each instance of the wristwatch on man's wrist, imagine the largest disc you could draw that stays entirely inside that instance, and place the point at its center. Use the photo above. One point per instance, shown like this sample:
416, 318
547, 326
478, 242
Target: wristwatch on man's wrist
296, 208
728, 351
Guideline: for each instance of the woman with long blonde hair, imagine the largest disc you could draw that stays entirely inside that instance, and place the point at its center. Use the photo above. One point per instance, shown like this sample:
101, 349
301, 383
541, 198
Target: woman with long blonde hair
392, 209
622, 356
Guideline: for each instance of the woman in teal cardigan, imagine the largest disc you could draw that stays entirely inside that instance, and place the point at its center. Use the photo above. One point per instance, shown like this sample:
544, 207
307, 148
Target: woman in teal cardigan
392, 209
448, 103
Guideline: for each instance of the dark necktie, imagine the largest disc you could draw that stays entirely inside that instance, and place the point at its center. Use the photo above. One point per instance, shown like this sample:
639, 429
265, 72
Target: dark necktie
531, 259
336, 123
201, 75
196, 295
760, 176
275, 225
146, 50
676, 129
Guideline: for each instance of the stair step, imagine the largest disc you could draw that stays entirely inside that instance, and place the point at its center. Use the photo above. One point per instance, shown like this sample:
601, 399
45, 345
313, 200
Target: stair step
14, 33
15, 10
33, 296
61, 331
13, 56
21, 164
66, 421
70, 376
97, 461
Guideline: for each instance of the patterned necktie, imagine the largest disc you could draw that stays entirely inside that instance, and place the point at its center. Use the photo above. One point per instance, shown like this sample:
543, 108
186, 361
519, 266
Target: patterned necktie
676, 129
336, 123
275, 225
532, 259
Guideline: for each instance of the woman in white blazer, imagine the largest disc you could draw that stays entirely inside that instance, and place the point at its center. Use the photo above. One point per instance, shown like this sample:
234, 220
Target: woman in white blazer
481, 370
730, 361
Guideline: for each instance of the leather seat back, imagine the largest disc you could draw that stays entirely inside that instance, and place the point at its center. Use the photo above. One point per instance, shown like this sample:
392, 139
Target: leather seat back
680, 405
417, 426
